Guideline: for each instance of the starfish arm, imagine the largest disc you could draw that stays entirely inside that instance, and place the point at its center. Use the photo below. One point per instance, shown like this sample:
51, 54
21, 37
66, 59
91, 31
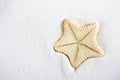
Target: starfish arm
83, 31
66, 44
67, 36
91, 40
87, 33
70, 51
72, 28
91, 48
83, 54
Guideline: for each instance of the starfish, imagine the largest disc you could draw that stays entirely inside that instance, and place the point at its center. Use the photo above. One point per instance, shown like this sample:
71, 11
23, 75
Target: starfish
78, 43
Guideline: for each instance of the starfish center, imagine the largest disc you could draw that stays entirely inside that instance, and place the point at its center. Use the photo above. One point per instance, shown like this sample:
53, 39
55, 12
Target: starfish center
80, 43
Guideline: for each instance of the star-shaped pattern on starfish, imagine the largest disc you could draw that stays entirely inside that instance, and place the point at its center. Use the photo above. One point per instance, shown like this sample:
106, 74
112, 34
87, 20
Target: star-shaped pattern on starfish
78, 43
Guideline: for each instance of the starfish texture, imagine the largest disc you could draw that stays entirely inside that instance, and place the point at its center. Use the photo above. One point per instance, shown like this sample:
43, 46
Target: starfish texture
78, 43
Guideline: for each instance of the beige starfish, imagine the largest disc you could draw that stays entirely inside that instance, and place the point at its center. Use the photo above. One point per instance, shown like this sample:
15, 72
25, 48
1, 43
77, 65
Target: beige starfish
78, 43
